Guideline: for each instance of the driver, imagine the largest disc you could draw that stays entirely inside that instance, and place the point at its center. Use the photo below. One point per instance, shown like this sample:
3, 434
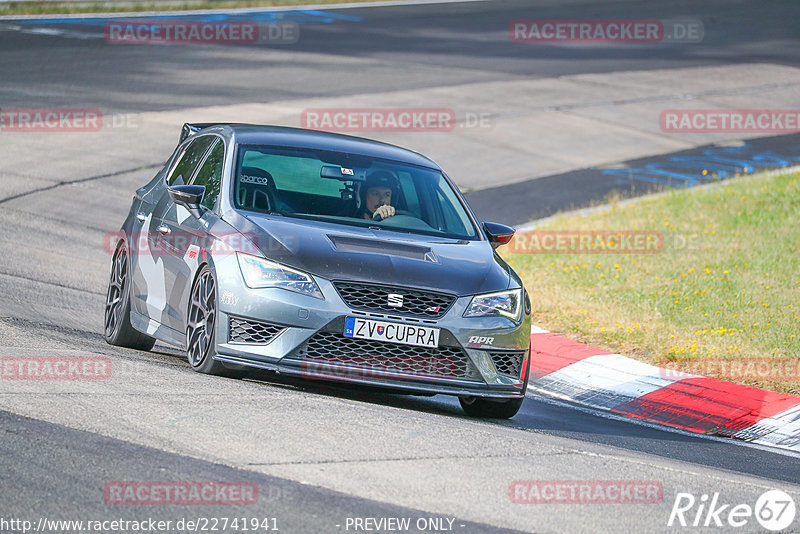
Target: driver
376, 195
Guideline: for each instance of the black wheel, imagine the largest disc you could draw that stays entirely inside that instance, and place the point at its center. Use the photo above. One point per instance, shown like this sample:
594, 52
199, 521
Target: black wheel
490, 408
118, 330
201, 328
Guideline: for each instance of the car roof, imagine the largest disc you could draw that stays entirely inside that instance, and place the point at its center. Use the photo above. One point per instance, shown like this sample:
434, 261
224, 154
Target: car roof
253, 134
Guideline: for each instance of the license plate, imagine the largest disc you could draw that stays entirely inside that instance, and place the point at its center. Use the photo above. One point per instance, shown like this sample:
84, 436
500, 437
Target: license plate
406, 334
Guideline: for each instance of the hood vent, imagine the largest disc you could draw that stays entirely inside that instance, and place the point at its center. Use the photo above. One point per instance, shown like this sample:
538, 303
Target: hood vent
390, 248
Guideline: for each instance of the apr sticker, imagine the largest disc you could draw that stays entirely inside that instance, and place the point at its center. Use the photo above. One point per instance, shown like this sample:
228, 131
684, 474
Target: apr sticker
479, 341
348, 172
228, 298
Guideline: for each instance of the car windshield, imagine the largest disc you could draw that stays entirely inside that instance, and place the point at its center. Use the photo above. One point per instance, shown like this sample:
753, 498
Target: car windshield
348, 189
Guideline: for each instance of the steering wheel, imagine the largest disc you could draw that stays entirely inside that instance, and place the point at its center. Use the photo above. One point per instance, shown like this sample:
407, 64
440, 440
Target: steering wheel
407, 220
396, 213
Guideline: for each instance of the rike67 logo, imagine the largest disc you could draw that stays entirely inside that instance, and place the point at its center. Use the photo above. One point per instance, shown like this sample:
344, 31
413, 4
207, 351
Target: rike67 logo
774, 510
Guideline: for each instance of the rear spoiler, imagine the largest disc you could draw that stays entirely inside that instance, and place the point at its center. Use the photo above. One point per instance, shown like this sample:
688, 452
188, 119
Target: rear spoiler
189, 129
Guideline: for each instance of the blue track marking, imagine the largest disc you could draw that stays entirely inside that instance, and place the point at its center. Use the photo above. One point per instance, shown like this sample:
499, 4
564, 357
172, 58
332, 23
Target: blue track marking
300, 17
719, 163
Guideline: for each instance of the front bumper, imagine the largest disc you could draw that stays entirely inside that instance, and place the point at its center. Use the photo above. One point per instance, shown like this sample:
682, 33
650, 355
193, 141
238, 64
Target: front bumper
298, 335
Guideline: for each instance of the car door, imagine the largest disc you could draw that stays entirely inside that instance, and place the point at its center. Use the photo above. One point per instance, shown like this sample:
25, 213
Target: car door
158, 265
148, 294
184, 236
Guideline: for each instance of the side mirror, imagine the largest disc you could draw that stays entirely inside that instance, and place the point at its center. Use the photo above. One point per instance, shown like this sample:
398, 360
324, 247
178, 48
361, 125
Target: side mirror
188, 196
498, 234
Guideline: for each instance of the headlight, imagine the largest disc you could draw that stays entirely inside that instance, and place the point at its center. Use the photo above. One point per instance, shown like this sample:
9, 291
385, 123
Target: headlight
503, 303
259, 273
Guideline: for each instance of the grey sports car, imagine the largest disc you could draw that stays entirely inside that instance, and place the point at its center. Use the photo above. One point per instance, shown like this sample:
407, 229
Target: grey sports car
325, 256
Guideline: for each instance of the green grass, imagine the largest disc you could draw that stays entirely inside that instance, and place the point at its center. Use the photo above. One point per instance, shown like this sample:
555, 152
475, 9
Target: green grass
66, 8
724, 288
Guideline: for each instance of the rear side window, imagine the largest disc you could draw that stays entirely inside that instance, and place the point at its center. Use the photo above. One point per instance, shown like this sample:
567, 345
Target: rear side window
190, 159
210, 174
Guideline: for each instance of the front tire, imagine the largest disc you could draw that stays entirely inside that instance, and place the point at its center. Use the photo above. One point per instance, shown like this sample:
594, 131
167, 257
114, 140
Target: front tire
202, 325
493, 409
117, 319
490, 409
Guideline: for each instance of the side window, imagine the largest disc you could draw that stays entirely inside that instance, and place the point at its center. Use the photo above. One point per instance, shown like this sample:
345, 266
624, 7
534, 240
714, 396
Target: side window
189, 161
210, 174
457, 222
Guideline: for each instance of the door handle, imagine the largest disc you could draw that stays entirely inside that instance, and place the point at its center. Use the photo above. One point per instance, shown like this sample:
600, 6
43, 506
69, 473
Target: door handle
141, 216
163, 229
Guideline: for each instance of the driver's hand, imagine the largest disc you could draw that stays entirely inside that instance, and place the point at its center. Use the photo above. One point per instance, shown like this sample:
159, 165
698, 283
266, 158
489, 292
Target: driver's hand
384, 211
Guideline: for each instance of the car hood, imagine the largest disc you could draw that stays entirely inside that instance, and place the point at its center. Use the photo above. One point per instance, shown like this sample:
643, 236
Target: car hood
340, 252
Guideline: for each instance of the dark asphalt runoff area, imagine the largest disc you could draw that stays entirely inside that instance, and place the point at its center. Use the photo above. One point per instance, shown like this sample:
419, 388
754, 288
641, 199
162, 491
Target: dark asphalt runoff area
406, 47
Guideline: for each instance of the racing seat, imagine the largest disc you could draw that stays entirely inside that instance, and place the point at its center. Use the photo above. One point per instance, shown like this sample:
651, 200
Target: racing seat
256, 190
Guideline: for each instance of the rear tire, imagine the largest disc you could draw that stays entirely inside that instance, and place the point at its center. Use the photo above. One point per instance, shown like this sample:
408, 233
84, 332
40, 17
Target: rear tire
490, 409
117, 319
201, 330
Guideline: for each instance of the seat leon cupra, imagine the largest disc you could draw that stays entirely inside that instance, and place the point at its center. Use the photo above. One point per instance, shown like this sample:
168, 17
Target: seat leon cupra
324, 256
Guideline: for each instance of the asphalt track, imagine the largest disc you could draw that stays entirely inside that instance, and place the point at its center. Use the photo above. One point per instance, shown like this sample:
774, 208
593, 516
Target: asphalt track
320, 454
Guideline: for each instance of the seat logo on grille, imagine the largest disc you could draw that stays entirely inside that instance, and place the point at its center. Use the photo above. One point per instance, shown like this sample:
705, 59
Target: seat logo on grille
394, 300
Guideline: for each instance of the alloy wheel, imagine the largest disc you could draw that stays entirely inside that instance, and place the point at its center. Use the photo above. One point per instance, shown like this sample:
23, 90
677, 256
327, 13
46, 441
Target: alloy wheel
202, 318
116, 290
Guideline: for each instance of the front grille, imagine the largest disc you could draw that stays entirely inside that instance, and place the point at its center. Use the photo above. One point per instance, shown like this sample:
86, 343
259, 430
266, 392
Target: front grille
247, 331
373, 297
335, 349
508, 363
